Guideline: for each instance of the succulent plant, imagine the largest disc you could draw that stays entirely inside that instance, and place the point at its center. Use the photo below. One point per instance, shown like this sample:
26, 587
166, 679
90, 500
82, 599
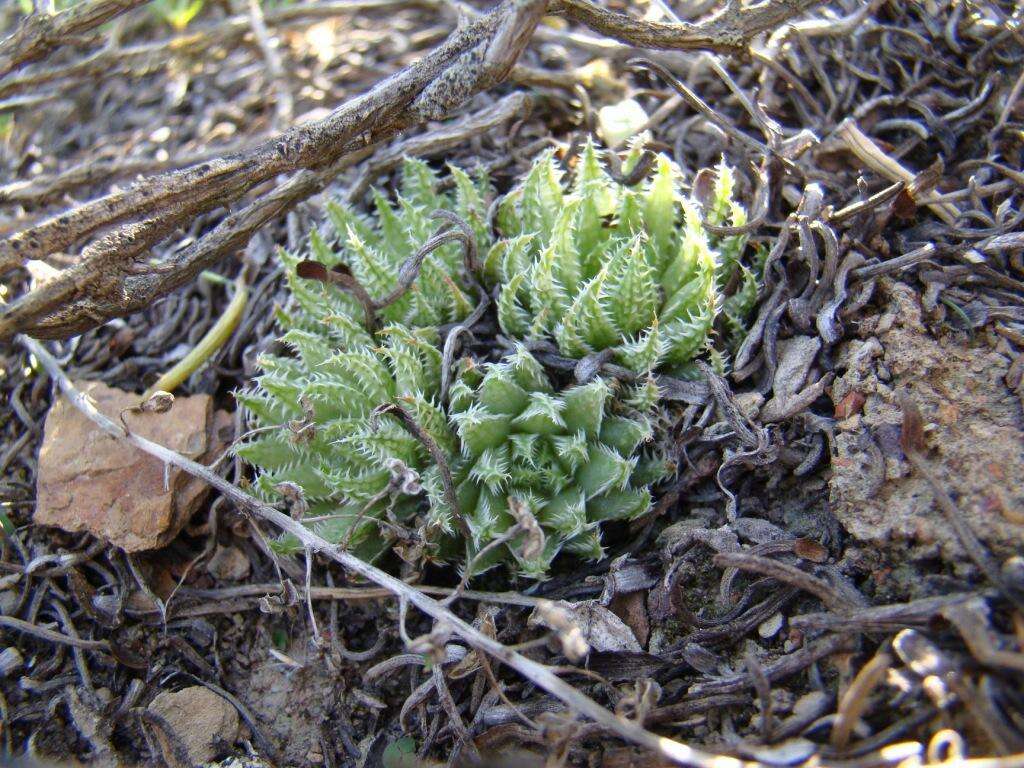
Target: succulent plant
568, 459
353, 427
605, 266
313, 412
374, 249
316, 434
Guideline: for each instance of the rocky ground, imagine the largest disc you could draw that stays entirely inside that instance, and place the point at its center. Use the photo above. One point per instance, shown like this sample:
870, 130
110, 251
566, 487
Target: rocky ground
859, 605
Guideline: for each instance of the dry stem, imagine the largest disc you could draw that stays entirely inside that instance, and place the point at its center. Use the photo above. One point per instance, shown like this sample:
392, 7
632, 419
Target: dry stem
869, 153
728, 31
40, 34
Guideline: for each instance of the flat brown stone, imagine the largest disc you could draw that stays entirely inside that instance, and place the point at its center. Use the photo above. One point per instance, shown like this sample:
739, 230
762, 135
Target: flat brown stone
89, 481
206, 723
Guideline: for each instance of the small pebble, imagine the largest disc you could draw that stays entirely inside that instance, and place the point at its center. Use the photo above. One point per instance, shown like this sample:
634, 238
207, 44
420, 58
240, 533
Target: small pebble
770, 627
812, 705
228, 564
790, 752
10, 661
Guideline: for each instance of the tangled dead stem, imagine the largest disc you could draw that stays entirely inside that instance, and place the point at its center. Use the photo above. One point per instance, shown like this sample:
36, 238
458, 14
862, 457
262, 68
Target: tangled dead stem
835, 575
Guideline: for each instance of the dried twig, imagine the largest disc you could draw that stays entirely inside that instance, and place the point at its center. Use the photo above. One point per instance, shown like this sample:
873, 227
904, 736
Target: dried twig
121, 292
699, 104
350, 594
728, 31
40, 34
537, 673
882, 618
50, 635
474, 57
410, 425
777, 669
869, 153
855, 699
285, 103
971, 618
926, 251
788, 574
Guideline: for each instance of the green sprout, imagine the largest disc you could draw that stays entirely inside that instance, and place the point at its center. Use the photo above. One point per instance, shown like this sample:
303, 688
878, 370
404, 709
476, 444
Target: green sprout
178, 13
568, 459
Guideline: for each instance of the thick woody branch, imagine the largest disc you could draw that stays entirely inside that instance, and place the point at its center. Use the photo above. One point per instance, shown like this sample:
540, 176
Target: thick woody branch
728, 31
475, 57
117, 292
47, 187
432, 88
40, 34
